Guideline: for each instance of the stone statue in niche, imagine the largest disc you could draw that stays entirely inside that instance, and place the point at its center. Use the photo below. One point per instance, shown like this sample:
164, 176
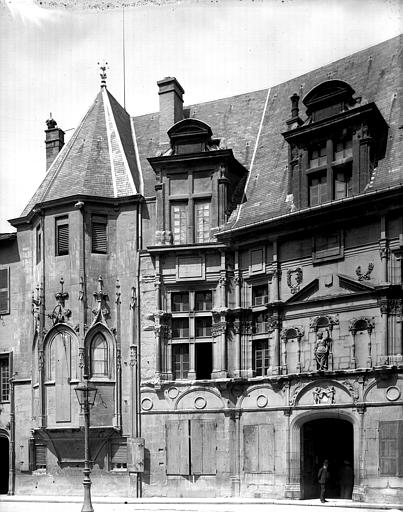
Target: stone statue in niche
321, 351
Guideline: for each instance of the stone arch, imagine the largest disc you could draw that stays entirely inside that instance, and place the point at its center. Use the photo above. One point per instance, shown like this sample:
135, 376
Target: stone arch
295, 455
361, 344
291, 338
61, 374
209, 399
95, 334
260, 396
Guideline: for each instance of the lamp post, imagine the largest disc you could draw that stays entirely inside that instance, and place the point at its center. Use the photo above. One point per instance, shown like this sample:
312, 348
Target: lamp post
86, 398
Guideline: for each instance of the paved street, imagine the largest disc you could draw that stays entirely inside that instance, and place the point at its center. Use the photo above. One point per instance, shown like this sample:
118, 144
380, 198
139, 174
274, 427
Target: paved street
13, 504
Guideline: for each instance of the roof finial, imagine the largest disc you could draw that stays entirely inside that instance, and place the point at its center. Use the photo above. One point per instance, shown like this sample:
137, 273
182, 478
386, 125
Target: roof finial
103, 66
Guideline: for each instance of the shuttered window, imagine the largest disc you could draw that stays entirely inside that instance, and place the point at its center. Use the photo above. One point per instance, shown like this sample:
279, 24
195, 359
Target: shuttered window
191, 447
4, 291
118, 454
38, 244
203, 447
99, 234
391, 448
258, 448
62, 236
39, 455
177, 447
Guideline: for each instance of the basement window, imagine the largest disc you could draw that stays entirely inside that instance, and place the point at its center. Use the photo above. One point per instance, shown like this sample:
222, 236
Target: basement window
118, 460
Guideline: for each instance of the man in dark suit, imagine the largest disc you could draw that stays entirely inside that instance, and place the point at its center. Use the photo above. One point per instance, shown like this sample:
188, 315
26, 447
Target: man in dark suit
323, 477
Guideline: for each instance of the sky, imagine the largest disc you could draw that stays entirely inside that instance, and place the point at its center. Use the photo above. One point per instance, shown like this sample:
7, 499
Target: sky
49, 54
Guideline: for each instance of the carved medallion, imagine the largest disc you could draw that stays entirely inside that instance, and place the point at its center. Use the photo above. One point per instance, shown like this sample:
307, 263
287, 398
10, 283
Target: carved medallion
294, 279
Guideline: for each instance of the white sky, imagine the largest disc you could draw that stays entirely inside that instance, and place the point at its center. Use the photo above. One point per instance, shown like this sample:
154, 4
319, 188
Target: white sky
214, 48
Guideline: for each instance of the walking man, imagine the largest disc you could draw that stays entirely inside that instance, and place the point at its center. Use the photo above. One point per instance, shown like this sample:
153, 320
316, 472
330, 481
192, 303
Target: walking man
323, 477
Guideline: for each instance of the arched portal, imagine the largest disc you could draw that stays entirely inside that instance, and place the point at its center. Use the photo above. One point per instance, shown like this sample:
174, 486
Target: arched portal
329, 439
4, 466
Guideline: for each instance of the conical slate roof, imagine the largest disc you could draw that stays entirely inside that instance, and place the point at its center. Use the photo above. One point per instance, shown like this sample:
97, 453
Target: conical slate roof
99, 160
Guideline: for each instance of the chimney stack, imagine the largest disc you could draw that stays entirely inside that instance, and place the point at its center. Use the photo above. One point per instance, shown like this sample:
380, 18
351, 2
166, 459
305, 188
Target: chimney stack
54, 141
171, 105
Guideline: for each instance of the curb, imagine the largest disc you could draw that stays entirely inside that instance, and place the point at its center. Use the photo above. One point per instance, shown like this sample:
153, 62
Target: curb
196, 501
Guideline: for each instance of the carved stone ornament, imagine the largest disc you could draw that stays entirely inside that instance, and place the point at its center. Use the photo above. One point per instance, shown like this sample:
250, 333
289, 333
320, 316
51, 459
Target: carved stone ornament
218, 328
294, 395
324, 395
36, 303
362, 276
353, 389
60, 314
294, 279
101, 311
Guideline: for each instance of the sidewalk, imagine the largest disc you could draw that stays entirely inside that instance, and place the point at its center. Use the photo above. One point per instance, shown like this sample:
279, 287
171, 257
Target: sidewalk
194, 502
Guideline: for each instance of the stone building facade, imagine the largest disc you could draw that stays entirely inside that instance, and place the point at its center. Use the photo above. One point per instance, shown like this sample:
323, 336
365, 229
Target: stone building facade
229, 276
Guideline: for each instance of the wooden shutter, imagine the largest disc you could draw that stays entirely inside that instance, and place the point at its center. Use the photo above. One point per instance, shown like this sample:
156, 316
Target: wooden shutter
118, 454
177, 447
203, 442
4, 291
391, 448
62, 236
258, 448
99, 234
40, 455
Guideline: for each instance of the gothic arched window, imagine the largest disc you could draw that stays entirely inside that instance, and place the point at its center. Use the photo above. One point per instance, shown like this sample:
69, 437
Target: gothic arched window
99, 356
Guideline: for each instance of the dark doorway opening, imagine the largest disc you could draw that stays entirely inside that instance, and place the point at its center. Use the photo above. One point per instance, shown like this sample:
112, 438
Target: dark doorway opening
329, 439
4, 466
204, 360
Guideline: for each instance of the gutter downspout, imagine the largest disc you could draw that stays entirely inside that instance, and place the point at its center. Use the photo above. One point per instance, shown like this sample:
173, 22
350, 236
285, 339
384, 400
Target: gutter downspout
11, 478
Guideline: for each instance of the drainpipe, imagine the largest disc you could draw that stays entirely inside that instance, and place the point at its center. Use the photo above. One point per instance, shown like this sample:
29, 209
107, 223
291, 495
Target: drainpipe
138, 338
11, 477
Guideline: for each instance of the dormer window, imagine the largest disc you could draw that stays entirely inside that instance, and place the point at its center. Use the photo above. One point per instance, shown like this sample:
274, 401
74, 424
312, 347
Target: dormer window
190, 136
317, 189
318, 155
335, 150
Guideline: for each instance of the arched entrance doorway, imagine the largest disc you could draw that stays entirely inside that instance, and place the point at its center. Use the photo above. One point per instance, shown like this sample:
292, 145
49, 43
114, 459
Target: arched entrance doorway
321, 439
4, 466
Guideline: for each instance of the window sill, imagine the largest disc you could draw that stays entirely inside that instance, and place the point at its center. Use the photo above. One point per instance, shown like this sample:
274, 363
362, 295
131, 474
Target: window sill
319, 168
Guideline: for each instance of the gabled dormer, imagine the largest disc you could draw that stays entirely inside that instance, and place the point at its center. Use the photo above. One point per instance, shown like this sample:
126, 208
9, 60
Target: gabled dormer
334, 151
196, 185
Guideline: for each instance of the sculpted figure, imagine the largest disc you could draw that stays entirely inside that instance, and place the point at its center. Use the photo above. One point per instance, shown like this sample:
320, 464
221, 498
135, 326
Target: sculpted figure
321, 351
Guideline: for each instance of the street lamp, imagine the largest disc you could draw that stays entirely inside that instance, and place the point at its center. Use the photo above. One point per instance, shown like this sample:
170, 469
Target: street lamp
86, 398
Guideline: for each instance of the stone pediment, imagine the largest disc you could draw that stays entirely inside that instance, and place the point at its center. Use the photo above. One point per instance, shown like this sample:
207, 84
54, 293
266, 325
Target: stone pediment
328, 286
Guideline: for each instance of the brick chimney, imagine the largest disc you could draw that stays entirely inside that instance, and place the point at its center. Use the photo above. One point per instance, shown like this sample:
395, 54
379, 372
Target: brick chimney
171, 105
54, 141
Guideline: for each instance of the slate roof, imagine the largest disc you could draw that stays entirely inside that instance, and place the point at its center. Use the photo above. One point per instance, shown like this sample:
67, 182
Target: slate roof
375, 74
107, 155
99, 160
